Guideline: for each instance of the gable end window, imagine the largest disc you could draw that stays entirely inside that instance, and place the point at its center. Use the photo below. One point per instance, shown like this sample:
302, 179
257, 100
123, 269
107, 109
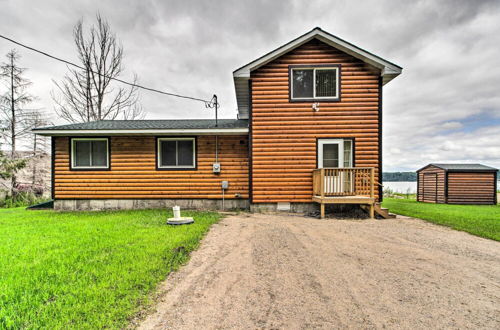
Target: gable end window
176, 153
89, 153
314, 83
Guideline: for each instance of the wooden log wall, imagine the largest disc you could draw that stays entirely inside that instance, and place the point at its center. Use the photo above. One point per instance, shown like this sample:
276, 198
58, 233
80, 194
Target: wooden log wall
133, 171
284, 133
471, 188
431, 185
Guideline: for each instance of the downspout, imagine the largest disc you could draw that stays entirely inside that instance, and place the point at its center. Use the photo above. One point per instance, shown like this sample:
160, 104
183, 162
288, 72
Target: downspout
216, 149
379, 179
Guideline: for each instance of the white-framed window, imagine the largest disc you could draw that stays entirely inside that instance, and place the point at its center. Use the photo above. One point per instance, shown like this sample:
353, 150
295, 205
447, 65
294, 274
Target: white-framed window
314, 83
176, 153
335, 153
89, 153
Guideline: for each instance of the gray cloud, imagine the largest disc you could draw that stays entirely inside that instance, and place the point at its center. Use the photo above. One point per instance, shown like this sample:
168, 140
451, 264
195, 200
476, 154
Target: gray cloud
449, 51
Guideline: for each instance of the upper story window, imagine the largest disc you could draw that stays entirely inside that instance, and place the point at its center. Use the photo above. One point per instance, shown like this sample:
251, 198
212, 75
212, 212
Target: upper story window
314, 83
89, 153
176, 153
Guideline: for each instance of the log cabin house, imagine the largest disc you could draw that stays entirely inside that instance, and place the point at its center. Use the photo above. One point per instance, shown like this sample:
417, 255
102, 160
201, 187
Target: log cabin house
308, 133
457, 184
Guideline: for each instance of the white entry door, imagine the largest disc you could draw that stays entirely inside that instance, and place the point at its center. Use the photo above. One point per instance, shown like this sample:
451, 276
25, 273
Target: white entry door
336, 153
330, 153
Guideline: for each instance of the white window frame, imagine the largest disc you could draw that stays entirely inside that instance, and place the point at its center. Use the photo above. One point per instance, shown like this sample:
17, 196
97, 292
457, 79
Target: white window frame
158, 155
73, 150
314, 97
340, 143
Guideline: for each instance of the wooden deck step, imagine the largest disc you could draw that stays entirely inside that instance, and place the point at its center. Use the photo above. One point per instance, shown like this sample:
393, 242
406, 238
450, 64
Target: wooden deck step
383, 212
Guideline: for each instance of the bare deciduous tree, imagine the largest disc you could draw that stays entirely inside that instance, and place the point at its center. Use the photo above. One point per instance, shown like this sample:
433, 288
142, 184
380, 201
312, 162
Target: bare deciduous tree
90, 93
39, 146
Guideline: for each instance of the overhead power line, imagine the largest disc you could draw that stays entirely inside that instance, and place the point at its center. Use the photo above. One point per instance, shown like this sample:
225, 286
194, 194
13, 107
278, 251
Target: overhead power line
208, 103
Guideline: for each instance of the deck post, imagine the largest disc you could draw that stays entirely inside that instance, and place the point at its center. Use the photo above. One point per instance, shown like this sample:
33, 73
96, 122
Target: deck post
372, 182
322, 207
322, 182
372, 210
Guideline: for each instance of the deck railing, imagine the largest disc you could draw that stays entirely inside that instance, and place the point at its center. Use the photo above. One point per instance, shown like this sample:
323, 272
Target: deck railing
353, 181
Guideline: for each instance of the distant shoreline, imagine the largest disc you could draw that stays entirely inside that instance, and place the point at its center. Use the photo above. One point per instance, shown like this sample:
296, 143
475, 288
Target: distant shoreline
404, 177
399, 180
410, 180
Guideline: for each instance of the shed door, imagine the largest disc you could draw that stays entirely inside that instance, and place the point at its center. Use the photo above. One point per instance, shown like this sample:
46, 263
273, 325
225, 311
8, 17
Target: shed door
430, 187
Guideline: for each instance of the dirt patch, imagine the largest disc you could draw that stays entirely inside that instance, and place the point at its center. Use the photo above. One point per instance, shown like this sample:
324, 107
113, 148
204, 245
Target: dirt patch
290, 272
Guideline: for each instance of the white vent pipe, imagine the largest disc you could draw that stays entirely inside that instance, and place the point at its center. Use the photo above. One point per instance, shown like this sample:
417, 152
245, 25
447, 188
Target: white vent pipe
177, 212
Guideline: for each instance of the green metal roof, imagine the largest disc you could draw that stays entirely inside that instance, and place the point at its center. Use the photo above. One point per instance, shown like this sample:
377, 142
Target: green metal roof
150, 124
462, 167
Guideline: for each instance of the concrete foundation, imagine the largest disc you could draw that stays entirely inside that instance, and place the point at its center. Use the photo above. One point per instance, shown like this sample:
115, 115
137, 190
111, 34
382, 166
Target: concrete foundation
130, 204
294, 207
195, 204
338, 210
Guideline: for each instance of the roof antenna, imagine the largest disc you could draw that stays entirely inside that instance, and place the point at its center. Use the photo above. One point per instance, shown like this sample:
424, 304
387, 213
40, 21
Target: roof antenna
213, 104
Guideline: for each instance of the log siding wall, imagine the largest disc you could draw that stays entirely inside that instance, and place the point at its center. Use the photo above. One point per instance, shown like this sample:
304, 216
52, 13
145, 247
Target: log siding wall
471, 188
284, 133
133, 171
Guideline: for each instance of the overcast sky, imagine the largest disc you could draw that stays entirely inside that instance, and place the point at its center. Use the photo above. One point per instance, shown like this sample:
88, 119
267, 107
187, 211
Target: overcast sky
445, 107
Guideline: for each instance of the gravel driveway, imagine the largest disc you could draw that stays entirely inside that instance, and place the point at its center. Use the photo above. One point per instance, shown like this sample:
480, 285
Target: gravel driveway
291, 272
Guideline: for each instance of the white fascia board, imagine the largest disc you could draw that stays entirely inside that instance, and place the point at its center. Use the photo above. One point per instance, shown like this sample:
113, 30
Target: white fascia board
244, 72
210, 131
359, 53
385, 66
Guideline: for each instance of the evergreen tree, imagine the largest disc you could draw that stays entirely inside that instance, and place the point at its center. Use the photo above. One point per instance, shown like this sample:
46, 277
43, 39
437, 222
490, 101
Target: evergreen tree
15, 118
9, 167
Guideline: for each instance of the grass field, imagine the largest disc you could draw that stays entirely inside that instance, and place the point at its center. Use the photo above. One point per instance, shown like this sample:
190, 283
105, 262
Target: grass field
480, 220
87, 270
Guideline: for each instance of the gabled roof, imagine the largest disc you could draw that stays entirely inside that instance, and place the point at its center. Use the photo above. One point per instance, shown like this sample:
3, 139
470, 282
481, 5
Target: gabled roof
462, 167
149, 127
388, 69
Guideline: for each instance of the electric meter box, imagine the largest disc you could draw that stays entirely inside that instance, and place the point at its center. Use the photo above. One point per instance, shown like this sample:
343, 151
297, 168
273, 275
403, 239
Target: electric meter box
225, 184
216, 167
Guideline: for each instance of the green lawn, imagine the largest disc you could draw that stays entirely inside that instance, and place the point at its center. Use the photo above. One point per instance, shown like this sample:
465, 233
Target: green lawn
87, 270
480, 220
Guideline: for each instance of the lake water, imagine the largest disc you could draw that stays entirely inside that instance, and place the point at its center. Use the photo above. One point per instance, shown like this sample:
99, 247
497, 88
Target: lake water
406, 186
402, 186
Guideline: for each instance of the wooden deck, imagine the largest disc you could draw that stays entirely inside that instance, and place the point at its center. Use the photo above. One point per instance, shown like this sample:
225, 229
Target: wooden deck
344, 186
344, 200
